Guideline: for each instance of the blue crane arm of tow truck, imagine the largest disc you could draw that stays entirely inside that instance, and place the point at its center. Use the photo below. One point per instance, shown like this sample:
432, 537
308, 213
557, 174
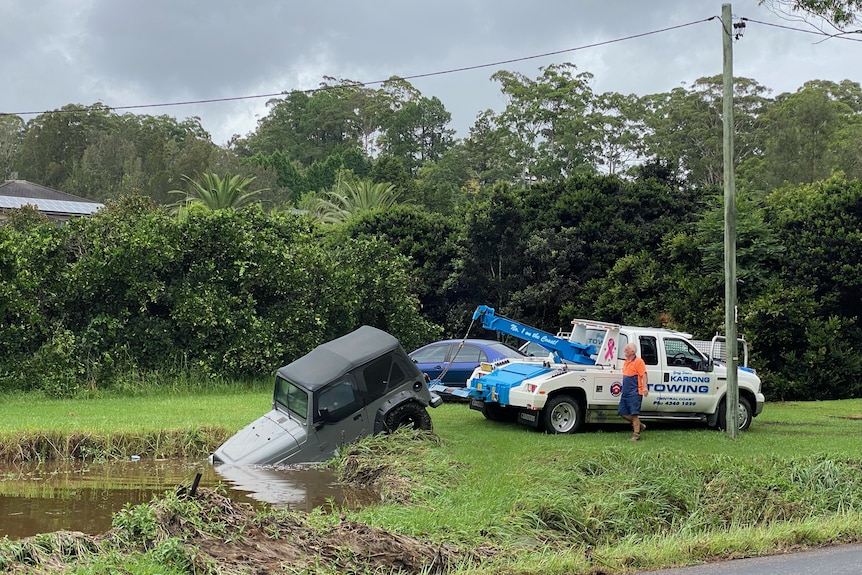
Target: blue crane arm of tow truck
562, 349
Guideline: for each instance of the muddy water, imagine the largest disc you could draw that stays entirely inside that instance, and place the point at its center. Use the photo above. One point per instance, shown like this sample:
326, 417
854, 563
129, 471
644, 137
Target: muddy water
41, 498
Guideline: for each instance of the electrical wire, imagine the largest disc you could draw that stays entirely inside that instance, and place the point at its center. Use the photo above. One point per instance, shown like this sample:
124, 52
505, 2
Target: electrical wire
804, 31
431, 74
371, 83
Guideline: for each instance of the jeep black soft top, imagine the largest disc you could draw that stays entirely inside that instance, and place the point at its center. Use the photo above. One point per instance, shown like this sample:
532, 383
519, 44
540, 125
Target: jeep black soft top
331, 360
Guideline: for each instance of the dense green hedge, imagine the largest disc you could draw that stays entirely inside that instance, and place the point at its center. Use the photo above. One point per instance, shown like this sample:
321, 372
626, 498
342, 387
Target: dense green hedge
224, 293
228, 294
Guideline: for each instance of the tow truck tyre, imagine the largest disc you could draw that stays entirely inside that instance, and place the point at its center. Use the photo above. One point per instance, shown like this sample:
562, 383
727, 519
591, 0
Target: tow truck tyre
744, 415
409, 413
563, 414
496, 412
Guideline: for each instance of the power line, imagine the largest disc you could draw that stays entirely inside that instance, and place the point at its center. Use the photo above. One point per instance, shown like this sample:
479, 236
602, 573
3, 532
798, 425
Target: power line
840, 36
372, 83
429, 74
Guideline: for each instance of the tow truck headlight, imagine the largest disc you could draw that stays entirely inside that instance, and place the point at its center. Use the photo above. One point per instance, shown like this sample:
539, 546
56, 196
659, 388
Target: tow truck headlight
530, 387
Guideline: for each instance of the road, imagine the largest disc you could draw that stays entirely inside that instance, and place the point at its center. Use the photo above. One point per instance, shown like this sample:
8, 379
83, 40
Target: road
838, 560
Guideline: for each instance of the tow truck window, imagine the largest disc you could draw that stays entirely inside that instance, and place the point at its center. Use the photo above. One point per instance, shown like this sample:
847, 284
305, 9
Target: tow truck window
621, 347
291, 397
649, 351
681, 354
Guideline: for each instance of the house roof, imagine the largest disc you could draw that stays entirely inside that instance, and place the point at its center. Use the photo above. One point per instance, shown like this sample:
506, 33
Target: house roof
20, 193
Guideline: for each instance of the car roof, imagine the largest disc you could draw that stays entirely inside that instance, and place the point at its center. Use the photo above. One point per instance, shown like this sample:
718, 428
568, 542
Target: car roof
472, 340
333, 359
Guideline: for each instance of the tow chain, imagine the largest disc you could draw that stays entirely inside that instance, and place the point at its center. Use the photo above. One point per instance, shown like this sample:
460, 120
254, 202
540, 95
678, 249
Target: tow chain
460, 345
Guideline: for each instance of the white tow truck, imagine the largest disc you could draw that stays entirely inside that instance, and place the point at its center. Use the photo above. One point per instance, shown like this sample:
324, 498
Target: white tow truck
581, 378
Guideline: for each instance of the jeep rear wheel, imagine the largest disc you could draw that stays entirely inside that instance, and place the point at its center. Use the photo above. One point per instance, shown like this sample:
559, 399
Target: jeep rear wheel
563, 414
407, 414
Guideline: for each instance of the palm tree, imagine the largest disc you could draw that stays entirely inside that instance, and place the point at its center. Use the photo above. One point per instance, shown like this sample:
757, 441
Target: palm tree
348, 198
215, 193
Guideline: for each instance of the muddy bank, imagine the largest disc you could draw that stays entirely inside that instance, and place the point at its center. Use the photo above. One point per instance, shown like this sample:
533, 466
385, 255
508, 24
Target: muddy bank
87, 446
202, 530
206, 532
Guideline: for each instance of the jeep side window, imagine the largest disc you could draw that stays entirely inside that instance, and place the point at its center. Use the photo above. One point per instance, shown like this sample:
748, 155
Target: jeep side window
336, 401
381, 375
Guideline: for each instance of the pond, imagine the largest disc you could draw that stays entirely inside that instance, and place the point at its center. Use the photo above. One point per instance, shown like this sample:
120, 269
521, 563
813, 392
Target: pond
76, 496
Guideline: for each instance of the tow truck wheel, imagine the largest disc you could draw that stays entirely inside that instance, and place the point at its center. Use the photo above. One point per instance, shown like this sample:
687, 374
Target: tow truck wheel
497, 412
409, 413
563, 414
744, 415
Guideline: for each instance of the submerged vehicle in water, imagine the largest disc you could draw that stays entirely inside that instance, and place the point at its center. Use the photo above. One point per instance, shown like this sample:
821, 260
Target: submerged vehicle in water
360, 384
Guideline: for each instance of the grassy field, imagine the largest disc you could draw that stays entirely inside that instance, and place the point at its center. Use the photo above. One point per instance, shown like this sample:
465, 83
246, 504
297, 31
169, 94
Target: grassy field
585, 503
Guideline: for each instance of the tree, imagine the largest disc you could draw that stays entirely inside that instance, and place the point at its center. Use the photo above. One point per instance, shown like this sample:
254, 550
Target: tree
620, 129
813, 132
212, 192
415, 130
551, 118
55, 141
491, 150
350, 198
428, 240
685, 127
11, 132
310, 126
840, 14
440, 183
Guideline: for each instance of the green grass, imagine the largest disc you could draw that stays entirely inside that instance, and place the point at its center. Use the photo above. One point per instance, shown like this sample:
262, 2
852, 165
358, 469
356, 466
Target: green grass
595, 500
23, 413
549, 504
168, 424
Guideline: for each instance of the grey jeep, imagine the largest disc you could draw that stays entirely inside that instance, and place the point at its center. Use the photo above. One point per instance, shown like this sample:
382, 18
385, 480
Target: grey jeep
360, 384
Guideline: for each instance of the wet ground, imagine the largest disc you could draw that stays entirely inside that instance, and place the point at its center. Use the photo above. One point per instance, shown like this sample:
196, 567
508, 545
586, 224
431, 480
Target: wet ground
43, 498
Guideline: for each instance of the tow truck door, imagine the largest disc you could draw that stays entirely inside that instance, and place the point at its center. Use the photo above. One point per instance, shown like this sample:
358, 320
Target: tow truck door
684, 384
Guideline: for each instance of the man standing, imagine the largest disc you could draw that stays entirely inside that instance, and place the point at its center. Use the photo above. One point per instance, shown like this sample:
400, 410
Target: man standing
634, 389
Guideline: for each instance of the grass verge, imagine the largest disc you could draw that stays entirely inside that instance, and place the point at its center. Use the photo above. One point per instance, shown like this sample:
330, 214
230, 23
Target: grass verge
523, 502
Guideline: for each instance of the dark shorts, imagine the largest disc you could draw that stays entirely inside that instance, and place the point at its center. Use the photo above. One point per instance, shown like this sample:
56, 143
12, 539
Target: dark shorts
630, 405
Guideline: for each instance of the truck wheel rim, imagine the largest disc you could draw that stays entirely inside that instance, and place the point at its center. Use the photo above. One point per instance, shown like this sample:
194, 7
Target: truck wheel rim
741, 416
563, 417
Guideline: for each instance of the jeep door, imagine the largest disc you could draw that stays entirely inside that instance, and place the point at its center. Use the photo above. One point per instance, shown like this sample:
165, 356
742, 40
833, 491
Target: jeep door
340, 417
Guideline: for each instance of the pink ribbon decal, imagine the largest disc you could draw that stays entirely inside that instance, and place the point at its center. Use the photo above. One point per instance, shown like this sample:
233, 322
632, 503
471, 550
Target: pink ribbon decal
610, 354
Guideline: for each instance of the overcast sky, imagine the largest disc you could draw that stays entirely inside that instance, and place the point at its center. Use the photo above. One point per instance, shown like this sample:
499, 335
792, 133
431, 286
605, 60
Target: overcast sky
146, 52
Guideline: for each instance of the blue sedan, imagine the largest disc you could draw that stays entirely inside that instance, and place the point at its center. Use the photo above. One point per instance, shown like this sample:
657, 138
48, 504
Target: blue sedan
458, 358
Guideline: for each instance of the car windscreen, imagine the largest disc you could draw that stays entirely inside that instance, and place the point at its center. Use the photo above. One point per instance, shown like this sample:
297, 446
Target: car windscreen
291, 398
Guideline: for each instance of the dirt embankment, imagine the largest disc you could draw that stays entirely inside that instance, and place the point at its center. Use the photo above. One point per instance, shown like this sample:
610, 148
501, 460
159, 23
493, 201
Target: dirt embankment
221, 536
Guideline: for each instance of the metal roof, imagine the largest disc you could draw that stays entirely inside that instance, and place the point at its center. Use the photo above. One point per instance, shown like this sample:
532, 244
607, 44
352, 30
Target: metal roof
52, 206
25, 189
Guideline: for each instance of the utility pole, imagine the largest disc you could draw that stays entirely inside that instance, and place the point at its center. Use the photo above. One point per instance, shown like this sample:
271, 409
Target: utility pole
731, 343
